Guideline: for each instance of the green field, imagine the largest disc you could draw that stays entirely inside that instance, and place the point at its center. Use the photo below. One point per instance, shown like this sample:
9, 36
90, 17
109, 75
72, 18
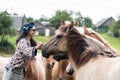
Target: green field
114, 42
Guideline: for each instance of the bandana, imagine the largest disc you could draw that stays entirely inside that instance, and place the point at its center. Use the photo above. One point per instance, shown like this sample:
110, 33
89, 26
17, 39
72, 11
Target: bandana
28, 26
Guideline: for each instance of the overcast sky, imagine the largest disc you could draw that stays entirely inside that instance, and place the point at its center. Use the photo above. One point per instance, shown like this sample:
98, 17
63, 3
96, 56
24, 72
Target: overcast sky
95, 9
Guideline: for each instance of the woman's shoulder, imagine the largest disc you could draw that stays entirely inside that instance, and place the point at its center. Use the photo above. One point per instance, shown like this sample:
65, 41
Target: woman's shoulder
23, 40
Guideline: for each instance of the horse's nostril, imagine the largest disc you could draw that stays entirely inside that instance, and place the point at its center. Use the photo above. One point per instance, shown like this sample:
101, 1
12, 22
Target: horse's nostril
53, 63
70, 72
59, 36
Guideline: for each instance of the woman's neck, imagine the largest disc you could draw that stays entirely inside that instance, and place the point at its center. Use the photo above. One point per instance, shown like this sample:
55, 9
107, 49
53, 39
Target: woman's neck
27, 37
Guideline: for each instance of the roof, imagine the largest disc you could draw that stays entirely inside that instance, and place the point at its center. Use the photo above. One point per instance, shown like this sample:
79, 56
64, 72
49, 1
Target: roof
39, 24
101, 22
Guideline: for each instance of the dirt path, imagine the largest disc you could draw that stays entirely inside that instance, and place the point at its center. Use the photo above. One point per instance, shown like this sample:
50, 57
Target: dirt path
3, 62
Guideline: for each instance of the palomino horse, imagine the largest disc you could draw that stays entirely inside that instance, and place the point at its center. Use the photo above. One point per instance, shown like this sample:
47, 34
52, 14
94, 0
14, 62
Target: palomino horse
39, 68
95, 35
36, 69
59, 71
88, 60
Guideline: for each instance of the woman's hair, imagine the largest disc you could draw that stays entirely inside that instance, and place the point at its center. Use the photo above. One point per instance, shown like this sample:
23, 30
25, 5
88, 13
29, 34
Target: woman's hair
24, 31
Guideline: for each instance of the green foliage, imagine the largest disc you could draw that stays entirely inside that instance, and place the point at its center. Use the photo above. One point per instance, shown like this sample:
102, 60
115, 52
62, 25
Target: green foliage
115, 28
29, 19
80, 18
88, 22
83, 20
55, 20
6, 46
42, 39
5, 23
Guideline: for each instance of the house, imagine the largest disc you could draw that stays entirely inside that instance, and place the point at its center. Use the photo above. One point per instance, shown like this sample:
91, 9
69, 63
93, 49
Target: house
17, 22
44, 28
103, 25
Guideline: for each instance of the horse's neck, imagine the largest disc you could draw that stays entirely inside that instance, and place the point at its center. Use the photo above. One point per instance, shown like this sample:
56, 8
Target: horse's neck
102, 40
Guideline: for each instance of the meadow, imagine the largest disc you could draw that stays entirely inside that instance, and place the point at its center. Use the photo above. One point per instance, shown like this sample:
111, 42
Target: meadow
115, 42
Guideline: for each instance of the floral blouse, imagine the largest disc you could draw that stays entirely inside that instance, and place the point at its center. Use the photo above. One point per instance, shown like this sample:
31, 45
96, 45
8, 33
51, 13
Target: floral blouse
23, 54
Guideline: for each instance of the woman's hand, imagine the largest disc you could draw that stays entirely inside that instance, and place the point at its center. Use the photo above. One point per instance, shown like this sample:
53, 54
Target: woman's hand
38, 45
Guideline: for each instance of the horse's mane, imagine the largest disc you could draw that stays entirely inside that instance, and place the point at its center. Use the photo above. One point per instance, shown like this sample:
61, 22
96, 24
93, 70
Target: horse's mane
78, 48
101, 39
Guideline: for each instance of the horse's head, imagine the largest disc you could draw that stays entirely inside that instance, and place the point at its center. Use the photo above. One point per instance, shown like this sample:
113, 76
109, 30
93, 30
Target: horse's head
58, 43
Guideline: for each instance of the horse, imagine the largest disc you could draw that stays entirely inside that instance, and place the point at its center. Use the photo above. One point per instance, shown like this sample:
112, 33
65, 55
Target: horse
50, 63
39, 68
59, 69
88, 59
36, 69
95, 35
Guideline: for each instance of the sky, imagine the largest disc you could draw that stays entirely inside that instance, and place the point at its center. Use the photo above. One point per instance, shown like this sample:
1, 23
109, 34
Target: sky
95, 9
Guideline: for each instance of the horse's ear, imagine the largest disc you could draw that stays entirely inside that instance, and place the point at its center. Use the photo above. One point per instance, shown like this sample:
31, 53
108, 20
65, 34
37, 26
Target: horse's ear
86, 31
62, 22
76, 23
69, 27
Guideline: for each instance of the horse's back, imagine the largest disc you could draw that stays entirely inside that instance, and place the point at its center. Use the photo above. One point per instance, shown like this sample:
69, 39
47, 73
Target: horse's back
35, 69
100, 69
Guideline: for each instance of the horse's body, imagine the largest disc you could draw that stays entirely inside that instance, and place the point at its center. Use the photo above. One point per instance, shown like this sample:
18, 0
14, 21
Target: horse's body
50, 62
88, 56
100, 69
59, 71
36, 69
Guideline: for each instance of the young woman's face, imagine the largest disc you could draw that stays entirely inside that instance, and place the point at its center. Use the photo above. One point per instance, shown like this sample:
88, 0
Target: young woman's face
31, 32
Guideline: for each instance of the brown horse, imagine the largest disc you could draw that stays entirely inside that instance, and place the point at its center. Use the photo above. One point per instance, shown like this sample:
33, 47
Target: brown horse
88, 59
59, 69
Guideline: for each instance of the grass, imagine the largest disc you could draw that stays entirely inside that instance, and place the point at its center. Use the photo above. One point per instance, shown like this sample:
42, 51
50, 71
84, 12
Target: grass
114, 42
42, 39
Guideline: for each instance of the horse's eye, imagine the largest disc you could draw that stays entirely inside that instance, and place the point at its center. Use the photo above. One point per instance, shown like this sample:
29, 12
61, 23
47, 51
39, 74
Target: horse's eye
59, 36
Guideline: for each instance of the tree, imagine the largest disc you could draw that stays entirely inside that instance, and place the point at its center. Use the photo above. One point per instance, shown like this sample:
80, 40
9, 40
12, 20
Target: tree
5, 29
83, 20
88, 22
55, 20
80, 18
5, 23
115, 28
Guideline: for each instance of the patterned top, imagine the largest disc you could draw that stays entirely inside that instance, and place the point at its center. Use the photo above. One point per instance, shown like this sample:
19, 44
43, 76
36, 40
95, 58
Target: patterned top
23, 54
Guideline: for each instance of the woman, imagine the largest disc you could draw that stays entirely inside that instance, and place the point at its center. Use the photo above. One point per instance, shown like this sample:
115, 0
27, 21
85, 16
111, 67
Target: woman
26, 49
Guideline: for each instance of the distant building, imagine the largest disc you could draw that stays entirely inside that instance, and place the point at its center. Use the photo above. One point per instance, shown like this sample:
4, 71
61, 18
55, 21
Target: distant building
103, 25
17, 22
44, 28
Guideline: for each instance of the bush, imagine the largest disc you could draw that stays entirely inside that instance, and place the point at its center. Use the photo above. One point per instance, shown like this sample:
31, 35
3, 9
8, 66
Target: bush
6, 46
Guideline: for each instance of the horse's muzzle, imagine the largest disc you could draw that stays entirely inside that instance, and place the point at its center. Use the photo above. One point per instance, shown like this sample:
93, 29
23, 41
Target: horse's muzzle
44, 54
